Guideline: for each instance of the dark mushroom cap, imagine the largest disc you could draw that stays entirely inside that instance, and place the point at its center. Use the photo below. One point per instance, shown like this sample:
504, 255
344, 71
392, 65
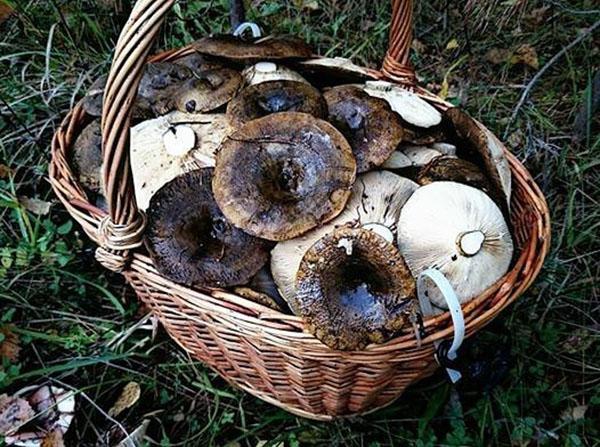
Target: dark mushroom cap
197, 62
270, 97
332, 71
159, 85
354, 288
92, 101
368, 123
87, 157
208, 90
252, 50
192, 243
281, 175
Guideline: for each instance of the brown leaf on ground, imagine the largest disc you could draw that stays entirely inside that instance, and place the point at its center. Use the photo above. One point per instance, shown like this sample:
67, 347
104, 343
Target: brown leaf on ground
14, 412
526, 55
497, 56
53, 439
36, 206
129, 396
5, 11
574, 414
10, 345
5, 171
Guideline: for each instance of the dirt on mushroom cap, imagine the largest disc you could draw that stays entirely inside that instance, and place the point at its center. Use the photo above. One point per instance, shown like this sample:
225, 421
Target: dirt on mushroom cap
270, 97
354, 289
368, 123
281, 175
190, 240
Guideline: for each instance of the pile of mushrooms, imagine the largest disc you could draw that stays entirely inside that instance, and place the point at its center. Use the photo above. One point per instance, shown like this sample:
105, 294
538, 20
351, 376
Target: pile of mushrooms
306, 185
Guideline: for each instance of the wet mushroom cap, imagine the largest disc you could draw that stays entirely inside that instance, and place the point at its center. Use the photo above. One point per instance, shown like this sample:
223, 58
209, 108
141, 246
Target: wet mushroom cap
354, 289
159, 84
87, 157
92, 101
281, 175
270, 97
252, 50
192, 243
368, 123
208, 90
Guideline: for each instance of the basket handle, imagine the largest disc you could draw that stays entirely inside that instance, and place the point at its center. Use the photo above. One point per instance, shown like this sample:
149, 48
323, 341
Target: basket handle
122, 229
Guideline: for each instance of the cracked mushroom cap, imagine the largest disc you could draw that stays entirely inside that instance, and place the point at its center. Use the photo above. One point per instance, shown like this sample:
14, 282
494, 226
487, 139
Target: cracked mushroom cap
411, 107
87, 157
208, 90
192, 243
254, 50
282, 175
484, 145
368, 123
460, 231
269, 71
375, 204
354, 289
271, 97
170, 145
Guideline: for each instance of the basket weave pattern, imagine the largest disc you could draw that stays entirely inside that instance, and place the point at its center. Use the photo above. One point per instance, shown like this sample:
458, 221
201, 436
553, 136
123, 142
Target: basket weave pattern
254, 348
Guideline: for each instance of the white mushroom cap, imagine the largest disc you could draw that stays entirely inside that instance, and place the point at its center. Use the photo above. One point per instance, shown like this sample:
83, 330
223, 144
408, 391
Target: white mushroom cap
375, 203
269, 71
458, 230
168, 146
412, 108
409, 156
444, 148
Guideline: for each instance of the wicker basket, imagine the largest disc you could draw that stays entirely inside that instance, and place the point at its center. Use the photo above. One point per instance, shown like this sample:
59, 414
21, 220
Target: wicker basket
254, 348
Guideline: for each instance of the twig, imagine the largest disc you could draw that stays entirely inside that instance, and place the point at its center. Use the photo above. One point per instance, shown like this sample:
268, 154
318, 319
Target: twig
543, 70
237, 13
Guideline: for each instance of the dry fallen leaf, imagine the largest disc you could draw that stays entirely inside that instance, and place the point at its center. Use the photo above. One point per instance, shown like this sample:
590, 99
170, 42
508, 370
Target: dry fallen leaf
5, 171
525, 55
14, 412
53, 438
497, 56
419, 46
452, 44
574, 414
36, 206
129, 396
9, 346
5, 11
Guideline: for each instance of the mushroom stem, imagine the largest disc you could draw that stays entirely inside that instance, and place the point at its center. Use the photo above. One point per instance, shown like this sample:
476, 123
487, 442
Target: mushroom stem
470, 242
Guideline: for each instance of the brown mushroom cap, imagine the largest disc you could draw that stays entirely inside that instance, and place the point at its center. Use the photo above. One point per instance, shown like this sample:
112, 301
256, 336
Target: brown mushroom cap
270, 97
333, 70
192, 243
281, 175
159, 84
354, 288
368, 123
87, 157
252, 50
92, 101
207, 91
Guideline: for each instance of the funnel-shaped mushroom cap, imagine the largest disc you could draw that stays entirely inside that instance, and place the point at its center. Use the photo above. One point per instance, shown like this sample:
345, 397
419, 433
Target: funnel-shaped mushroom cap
480, 141
375, 203
354, 289
270, 71
281, 175
166, 147
368, 123
460, 231
412, 108
87, 157
207, 91
252, 50
334, 68
192, 243
276, 96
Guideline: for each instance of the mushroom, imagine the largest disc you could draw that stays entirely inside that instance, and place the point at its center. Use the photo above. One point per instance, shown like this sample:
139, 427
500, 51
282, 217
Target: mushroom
262, 289
458, 230
253, 50
279, 176
208, 90
409, 159
92, 101
354, 288
448, 168
87, 157
192, 243
484, 147
375, 203
324, 69
444, 148
269, 71
419, 136
276, 96
160, 82
368, 123
197, 62
170, 145
411, 107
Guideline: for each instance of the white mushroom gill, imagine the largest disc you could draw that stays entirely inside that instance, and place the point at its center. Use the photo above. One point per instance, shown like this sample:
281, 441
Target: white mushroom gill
269, 71
375, 204
458, 230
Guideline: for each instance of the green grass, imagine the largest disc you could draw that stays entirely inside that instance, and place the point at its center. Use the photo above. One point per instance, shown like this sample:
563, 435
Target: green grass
77, 322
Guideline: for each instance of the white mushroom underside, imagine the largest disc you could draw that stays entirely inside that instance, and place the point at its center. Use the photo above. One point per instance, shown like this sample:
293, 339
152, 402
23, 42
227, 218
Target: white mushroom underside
408, 156
160, 149
269, 71
375, 203
338, 63
429, 233
412, 108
